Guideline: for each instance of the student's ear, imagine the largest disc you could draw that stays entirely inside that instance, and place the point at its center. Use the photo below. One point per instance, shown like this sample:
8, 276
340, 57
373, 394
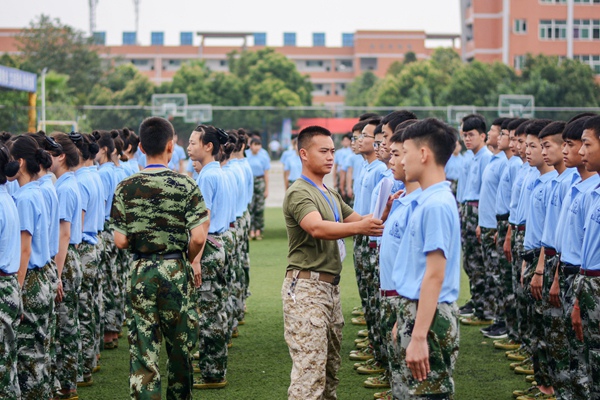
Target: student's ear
302, 153
170, 146
142, 148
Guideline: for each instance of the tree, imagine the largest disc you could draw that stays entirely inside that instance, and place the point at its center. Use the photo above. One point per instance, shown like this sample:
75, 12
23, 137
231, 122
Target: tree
359, 90
47, 43
410, 57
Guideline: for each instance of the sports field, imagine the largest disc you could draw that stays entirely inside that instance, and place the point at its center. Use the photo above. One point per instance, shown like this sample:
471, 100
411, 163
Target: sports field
259, 363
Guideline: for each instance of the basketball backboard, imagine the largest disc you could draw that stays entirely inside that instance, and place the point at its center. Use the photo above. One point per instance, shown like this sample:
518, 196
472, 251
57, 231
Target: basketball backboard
516, 105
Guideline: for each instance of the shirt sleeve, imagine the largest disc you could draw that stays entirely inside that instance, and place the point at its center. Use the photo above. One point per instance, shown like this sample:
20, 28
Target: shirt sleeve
207, 188
26, 215
300, 204
196, 212
266, 163
437, 222
117, 212
67, 202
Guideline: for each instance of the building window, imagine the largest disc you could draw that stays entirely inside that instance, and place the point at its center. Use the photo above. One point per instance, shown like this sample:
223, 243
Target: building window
586, 1
318, 39
520, 62
592, 60
586, 29
157, 38
289, 39
260, 39
223, 63
520, 26
553, 29
344, 65
99, 38
186, 38
553, 1
314, 63
368, 64
129, 38
347, 39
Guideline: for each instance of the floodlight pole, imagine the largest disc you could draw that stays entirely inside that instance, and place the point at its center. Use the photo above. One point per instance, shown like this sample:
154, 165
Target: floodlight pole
44, 98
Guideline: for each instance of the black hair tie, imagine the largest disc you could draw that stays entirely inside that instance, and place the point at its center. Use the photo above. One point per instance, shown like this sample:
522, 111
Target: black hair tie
53, 143
75, 137
223, 136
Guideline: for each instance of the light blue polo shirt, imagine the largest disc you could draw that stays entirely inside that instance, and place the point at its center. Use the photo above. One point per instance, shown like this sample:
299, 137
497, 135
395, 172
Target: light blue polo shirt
51, 200
191, 170
249, 180
522, 207
509, 174
130, 166
433, 225
142, 161
95, 176
371, 175
240, 188
33, 218
289, 152
462, 176
536, 215
178, 155
453, 167
294, 165
357, 162
70, 205
560, 186
10, 232
212, 182
490, 180
230, 191
475, 174
340, 157
12, 187
393, 231
91, 201
590, 256
569, 232
259, 164
109, 184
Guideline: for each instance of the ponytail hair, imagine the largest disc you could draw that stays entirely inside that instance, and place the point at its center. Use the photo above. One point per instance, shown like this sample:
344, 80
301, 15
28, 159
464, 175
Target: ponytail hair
229, 147
91, 145
130, 139
48, 144
26, 148
72, 155
105, 139
119, 145
210, 134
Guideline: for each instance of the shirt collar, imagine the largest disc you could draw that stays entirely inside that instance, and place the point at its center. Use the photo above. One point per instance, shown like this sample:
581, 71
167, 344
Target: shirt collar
481, 152
408, 198
433, 189
547, 176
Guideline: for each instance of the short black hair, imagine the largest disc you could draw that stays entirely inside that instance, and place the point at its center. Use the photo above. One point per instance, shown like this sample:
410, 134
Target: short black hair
359, 126
155, 133
439, 137
346, 136
582, 115
474, 121
535, 126
366, 116
574, 129
498, 121
514, 124
378, 129
506, 122
593, 124
553, 128
305, 136
373, 121
4, 159
522, 128
399, 130
396, 117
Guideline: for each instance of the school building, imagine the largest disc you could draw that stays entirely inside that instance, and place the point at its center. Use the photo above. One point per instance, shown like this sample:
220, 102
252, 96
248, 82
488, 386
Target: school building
507, 30
330, 68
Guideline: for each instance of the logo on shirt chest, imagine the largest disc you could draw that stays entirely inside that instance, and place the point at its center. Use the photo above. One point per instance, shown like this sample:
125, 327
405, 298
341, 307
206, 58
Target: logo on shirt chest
574, 208
595, 215
555, 200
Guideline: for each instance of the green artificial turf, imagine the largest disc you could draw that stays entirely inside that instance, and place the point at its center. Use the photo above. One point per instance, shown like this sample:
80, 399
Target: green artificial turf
259, 363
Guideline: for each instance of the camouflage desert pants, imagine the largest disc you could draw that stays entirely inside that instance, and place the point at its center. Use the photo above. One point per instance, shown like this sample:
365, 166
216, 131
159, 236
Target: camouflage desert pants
110, 286
388, 318
518, 327
88, 254
588, 293
473, 260
371, 286
257, 207
492, 272
11, 308
313, 323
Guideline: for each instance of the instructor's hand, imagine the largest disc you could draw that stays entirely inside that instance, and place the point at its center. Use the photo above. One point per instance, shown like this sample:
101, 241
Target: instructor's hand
197, 274
370, 226
417, 358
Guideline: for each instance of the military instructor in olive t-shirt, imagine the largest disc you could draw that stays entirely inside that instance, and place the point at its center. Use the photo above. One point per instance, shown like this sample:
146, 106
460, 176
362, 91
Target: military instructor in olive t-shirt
317, 220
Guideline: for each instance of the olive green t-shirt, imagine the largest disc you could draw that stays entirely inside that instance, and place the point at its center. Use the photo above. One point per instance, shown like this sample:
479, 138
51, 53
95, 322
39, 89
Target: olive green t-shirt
156, 209
306, 252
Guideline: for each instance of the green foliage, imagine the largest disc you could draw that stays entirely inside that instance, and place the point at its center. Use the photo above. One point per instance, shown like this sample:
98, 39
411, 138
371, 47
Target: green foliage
358, 92
48, 43
410, 57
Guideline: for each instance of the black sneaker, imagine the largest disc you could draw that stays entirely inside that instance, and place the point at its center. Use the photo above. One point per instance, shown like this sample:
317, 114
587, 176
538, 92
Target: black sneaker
489, 328
499, 333
467, 310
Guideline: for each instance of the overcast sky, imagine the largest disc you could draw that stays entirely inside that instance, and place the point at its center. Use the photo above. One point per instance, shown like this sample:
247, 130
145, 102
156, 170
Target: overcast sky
272, 16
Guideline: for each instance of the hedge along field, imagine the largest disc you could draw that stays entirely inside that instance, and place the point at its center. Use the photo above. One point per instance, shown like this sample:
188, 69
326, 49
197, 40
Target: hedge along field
259, 362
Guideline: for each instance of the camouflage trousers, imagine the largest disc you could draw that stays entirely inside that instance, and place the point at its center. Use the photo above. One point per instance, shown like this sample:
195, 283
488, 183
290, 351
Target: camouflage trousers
212, 306
33, 337
587, 290
245, 254
442, 340
99, 297
371, 285
518, 327
68, 337
492, 272
231, 260
473, 260
388, 316
88, 253
108, 269
11, 309
566, 361
159, 305
313, 323
239, 283
359, 266
505, 285
257, 207
52, 274
124, 260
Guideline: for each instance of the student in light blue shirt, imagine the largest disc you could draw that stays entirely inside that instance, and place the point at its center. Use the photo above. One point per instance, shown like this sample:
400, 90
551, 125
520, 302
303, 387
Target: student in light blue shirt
10, 253
177, 162
130, 147
32, 273
339, 164
292, 169
429, 264
260, 165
